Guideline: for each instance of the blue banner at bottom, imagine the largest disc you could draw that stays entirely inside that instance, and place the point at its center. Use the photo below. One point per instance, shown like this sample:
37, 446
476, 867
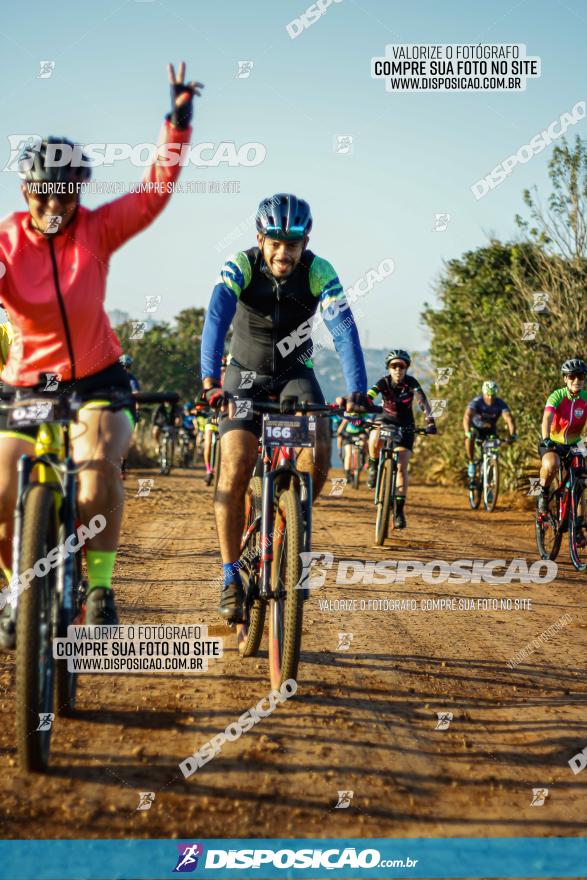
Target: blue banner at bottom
368, 858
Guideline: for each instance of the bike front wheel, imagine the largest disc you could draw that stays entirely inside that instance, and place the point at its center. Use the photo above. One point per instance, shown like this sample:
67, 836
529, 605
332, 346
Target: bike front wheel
548, 532
578, 526
490, 484
36, 619
383, 502
286, 608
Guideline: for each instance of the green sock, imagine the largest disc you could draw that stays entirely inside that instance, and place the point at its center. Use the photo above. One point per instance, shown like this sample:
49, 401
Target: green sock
100, 567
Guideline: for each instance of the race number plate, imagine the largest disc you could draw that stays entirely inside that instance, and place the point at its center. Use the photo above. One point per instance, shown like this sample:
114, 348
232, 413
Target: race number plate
34, 413
289, 431
393, 431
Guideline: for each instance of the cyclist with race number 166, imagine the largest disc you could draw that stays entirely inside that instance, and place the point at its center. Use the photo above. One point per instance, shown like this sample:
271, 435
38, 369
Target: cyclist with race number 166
271, 291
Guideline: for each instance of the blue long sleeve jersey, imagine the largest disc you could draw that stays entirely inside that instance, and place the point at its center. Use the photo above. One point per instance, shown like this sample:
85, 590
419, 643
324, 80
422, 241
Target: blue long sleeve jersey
274, 320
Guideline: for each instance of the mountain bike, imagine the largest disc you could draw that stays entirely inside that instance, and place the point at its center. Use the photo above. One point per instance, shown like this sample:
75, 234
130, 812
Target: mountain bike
485, 484
278, 527
386, 483
358, 459
567, 510
166, 448
52, 594
186, 447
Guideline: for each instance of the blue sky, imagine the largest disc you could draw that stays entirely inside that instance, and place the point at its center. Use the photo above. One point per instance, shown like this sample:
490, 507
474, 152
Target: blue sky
414, 154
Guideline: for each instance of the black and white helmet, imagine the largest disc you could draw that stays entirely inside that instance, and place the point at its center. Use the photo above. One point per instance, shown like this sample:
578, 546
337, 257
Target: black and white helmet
574, 365
284, 216
398, 354
53, 160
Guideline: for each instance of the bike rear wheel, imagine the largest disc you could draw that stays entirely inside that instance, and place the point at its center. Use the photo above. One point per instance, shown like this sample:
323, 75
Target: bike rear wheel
37, 613
287, 607
249, 634
578, 526
548, 532
383, 502
490, 484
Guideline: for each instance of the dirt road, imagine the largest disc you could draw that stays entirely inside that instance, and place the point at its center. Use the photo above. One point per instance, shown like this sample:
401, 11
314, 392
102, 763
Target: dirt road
363, 719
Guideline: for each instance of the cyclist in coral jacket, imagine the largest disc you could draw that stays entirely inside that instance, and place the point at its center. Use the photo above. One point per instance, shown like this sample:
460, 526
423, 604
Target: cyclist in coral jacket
57, 255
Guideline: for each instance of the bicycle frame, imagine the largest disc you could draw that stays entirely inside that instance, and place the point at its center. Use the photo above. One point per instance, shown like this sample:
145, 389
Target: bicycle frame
280, 463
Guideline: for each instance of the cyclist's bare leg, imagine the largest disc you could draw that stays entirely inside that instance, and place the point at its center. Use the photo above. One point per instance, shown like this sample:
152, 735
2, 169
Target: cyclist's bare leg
374, 444
320, 465
403, 458
470, 448
549, 467
11, 448
208, 445
239, 453
99, 440
347, 456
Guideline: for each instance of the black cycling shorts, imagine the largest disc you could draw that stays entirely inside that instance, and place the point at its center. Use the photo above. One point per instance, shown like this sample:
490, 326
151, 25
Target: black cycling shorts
91, 389
561, 449
303, 385
408, 434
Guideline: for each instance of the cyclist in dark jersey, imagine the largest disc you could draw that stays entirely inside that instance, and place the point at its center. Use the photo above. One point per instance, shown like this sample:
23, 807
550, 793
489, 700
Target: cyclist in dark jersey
271, 294
480, 420
563, 422
398, 390
126, 361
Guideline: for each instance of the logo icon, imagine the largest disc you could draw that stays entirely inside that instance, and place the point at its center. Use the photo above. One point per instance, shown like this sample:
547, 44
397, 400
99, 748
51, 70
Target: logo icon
47, 68
138, 329
540, 301
441, 222
52, 381
539, 795
344, 641
46, 719
529, 332
443, 375
534, 486
438, 408
344, 800
244, 69
146, 800
579, 761
145, 486
337, 488
343, 144
444, 719
187, 860
54, 221
308, 558
247, 378
243, 409
151, 303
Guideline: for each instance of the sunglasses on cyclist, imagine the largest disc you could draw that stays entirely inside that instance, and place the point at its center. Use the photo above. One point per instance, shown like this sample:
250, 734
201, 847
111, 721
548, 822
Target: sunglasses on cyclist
398, 365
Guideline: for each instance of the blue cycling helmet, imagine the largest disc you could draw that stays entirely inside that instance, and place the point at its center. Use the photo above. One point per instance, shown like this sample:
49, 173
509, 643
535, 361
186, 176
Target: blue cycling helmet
188, 405
284, 216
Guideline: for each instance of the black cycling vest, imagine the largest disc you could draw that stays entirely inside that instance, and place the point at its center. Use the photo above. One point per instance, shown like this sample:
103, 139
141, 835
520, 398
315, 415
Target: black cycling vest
269, 310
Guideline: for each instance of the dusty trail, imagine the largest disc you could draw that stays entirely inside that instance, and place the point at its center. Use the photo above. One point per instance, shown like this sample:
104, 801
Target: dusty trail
363, 720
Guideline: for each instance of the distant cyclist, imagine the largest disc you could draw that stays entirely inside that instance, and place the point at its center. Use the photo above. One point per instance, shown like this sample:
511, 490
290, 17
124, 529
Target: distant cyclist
480, 421
563, 422
268, 293
398, 390
57, 255
352, 427
127, 361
